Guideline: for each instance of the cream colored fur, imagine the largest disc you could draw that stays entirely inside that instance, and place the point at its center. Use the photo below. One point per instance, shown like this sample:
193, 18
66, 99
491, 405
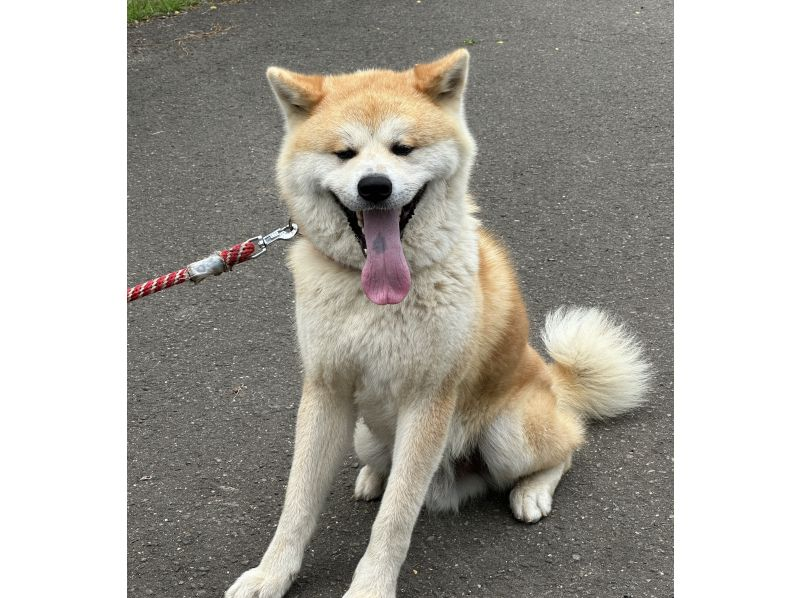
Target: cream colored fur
608, 371
441, 393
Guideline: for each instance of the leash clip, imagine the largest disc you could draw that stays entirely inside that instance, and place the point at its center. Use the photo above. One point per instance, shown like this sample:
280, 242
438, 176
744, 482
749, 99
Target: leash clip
284, 233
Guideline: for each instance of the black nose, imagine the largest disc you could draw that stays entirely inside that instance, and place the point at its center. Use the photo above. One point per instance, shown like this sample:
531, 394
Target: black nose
375, 187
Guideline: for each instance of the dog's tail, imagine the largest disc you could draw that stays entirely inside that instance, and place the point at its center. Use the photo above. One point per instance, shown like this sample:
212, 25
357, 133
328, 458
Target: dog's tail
598, 367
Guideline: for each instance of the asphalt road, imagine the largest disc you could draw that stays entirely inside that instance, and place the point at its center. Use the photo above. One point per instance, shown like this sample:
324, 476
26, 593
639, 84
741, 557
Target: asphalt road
571, 106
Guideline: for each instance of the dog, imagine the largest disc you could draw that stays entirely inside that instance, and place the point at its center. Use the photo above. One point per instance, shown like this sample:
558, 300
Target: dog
412, 328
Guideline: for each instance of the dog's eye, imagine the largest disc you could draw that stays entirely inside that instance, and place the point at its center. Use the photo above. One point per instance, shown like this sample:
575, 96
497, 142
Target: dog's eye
346, 154
398, 149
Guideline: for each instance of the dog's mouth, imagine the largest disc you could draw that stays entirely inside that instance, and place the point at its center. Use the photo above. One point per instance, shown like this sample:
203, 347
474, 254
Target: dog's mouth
385, 277
356, 219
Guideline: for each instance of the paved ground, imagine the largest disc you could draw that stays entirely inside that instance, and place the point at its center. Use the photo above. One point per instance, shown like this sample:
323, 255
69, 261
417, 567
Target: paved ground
573, 117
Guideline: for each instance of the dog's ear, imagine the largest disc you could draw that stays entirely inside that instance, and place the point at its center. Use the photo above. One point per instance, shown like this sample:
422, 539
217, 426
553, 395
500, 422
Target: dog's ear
297, 94
444, 80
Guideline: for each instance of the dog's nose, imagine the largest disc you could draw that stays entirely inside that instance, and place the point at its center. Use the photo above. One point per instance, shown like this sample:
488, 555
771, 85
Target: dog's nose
375, 188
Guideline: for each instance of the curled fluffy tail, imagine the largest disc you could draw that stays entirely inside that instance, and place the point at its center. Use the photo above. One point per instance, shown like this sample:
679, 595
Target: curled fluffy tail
599, 368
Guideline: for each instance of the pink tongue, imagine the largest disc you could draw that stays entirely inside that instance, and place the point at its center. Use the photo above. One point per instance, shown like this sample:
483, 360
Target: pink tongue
385, 277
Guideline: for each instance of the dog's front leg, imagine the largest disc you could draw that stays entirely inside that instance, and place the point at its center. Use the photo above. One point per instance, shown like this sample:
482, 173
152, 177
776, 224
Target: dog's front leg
325, 422
419, 444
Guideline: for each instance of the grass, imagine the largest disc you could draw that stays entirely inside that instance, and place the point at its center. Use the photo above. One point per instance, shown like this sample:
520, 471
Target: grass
140, 10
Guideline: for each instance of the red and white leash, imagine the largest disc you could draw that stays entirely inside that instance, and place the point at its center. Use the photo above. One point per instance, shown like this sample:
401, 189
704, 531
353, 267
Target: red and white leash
214, 264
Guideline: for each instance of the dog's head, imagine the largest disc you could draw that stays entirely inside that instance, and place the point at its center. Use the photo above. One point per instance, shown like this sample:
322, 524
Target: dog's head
374, 166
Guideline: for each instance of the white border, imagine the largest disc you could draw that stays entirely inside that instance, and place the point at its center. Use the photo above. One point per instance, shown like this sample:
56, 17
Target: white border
736, 308
63, 425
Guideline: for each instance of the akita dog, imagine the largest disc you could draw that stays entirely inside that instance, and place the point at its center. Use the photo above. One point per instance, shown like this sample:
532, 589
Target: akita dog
412, 328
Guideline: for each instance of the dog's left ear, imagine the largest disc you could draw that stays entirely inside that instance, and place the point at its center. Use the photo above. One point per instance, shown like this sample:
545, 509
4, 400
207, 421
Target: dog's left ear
444, 80
297, 94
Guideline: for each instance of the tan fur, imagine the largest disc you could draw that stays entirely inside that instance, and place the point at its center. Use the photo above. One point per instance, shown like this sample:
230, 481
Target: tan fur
370, 97
509, 373
449, 397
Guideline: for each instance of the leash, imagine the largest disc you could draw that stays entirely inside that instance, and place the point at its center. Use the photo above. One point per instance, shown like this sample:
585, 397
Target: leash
215, 264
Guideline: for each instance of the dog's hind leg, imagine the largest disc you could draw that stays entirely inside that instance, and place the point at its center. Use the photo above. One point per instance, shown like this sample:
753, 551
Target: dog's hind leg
529, 446
532, 497
376, 458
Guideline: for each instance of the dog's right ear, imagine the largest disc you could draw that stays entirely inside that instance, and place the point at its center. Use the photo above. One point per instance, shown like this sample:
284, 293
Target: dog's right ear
297, 94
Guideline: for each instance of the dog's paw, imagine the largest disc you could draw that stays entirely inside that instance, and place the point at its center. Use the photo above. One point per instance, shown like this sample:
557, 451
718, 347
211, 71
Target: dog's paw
530, 501
369, 484
257, 583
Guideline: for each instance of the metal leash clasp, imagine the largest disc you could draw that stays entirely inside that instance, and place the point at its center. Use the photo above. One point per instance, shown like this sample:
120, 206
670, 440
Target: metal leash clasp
284, 233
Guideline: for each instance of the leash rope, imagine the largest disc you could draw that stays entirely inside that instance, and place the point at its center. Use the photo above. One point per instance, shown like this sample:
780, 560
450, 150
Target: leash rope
214, 265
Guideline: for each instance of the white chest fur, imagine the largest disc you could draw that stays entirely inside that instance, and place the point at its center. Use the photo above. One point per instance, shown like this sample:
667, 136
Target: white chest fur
384, 354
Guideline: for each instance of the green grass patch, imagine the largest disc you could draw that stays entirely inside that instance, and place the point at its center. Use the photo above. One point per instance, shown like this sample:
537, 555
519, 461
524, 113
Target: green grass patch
141, 10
